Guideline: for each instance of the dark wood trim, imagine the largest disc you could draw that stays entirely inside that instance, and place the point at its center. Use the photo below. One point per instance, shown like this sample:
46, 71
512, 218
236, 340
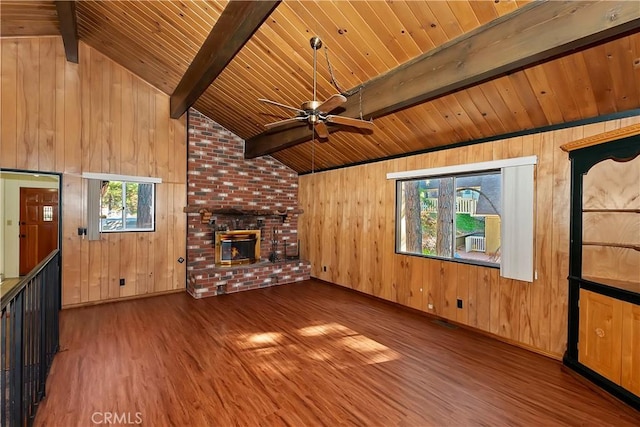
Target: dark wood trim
237, 23
623, 394
551, 128
533, 33
68, 28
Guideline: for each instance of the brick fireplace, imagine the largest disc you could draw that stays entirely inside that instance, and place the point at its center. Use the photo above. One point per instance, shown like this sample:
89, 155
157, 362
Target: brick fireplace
227, 194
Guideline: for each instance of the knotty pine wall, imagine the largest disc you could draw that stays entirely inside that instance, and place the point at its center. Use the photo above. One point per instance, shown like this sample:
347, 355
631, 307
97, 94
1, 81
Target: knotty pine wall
348, 226
96, 116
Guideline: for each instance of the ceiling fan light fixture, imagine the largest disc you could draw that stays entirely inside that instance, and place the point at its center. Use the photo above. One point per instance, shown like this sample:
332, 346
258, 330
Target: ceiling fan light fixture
315, 113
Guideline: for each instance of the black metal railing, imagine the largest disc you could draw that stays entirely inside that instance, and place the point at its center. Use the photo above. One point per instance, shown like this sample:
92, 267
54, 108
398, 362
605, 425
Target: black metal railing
30, 334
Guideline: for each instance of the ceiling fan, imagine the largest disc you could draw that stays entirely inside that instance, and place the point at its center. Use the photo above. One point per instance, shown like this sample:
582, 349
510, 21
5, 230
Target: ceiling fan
315, 113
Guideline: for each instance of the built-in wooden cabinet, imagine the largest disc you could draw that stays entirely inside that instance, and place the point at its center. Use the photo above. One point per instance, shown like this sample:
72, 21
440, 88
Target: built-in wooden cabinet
630, 370
600, 334
604, 266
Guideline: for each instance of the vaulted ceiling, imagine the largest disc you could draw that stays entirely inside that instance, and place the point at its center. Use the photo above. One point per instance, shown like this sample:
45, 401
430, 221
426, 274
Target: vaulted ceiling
158, 40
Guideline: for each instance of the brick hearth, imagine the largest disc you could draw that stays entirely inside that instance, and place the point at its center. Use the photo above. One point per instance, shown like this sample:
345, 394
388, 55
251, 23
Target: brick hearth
218, 177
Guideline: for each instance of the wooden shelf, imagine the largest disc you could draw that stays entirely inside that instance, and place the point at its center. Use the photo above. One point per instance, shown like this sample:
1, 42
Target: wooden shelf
613, 245
621, 284
206, 213
605, 210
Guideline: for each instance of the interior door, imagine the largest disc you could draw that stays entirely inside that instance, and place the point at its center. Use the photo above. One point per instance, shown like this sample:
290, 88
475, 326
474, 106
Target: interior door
38, 226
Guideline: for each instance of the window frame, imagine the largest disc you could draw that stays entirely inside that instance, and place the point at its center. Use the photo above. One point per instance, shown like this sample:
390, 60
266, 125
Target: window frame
398, 215
94, 201
124, 208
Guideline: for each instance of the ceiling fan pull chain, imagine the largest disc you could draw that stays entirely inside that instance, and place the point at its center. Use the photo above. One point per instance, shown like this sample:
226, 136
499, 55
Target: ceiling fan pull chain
360, 93
333, 77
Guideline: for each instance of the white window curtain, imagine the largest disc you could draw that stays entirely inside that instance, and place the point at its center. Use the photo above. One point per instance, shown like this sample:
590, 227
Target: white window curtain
517, 227
517, 230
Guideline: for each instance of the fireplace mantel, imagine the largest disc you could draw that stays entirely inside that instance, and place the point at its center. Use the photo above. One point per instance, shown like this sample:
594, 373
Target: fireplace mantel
206, 213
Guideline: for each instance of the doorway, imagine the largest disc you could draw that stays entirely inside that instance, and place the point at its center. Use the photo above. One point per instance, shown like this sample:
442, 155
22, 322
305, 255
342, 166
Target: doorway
38, 220
38, 226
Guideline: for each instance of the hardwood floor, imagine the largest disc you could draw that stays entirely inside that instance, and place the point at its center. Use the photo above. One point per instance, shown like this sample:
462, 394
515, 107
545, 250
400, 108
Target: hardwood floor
304, 354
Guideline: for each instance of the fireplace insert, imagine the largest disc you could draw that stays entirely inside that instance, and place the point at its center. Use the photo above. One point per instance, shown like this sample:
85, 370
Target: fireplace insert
237, 247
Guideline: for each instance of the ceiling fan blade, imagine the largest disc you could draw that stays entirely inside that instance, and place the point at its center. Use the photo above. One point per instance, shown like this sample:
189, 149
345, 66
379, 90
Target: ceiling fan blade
268, 101
348, 121
333, 102
285, 122
321, 130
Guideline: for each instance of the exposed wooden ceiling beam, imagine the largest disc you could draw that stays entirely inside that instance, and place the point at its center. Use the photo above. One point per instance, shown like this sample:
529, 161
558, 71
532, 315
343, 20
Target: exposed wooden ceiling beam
533, 33
237, 23
68, 28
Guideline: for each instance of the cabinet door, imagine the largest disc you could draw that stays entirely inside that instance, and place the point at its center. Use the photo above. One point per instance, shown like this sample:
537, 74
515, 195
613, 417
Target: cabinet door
600, 334
631, 347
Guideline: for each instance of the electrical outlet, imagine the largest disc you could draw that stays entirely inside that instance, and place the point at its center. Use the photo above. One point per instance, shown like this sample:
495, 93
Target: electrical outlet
324, 268
430, 306
121, 282
459, 302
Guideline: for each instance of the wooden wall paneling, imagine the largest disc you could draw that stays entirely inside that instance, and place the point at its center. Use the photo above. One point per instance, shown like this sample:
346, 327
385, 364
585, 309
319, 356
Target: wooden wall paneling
73, 118
128, 261
128, 164
113, 266
333, 225
304, 201
398, 288
96, 142
84, 247
8, 102
357, 250
367, 266
630, 370
94, 267
141, 268
378, 225
388, 242
46, 108
180, 195
318, 232
483, 297
59, 118
464, 274
540, 288
172, 279
28, 103
449, 283
72, 209
104, 265
415, 280
159, 241
426, 285
560, 239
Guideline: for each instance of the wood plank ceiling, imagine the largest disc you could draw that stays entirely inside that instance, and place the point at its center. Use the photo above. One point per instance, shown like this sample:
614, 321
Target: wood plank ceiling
158, 41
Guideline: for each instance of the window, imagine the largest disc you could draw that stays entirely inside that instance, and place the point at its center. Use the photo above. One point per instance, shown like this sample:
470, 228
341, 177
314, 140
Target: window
451, 217
481, 213
126, 206
119, 203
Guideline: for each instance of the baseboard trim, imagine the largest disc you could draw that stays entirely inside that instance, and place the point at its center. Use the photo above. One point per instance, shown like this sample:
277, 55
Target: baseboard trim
554, 356
129, 298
